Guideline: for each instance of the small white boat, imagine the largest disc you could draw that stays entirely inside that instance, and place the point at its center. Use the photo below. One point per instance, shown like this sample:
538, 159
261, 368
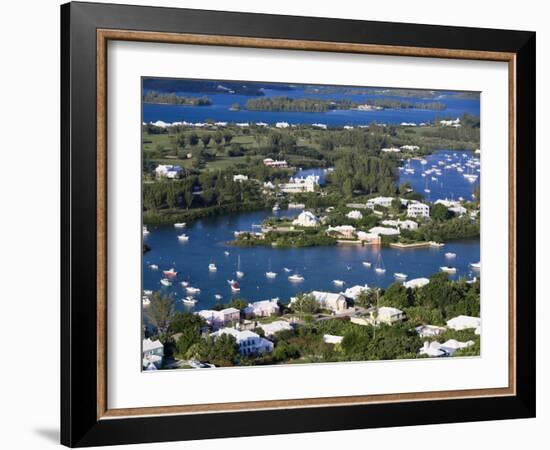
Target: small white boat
166, 282
400, 276
212, 267
448, 269
145, 301
183, 237
271, 274
295, 278
145, 231
338, 282
286, 269
218, 296
147, 292
276, 207
367, 264
189, 300
450, 255
226, 253
192, 290
427, 191
185, 283
170, 273
476, 265
380, 270
153, 267
179, 225
436, 244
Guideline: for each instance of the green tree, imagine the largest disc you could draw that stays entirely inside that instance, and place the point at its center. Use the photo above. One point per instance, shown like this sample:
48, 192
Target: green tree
160, 312
440, 212
205, 138
305, 304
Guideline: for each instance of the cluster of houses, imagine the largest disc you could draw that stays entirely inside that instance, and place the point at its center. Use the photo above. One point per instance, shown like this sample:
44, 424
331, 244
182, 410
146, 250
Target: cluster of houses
408, 148
229, 321
168, 171
300, 184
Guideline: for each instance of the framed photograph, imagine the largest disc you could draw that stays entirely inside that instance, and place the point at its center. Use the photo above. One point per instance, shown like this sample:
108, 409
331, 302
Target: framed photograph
277, 224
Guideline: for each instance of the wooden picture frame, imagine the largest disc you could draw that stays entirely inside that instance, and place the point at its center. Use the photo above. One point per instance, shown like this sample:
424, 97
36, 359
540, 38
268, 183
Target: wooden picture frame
86, 418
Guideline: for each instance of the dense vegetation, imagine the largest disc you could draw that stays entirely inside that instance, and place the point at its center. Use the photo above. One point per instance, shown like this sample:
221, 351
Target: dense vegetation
174, 99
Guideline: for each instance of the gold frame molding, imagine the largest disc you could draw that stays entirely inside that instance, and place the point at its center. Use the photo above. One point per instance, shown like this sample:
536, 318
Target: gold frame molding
105, 35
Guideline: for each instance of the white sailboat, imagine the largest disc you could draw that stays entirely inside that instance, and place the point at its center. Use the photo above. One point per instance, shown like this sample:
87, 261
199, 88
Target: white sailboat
212, 267
179, 225
338, 282
448, 269
189, 300
476, 265
379, 268
239, 272
400, 275
269, 273
183, 237
296, 278
367, 263
450, 255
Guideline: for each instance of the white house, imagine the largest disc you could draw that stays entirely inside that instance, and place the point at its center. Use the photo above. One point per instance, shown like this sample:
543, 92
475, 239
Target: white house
262, 308
450, 123
452, 205
354, 291
330, 300
346, 231
369, 238
429, 330
401, 224
390, 150
300, 184
282, 125
270, 329
464, 322
249, 342
153, 352
418, 209
355, 215
410, 148
168, 171
389, 315
332, 339
240, 178
384, 231
276, 164
416, 283
384, 202
432, 349
220, 318
458, 210
306, 219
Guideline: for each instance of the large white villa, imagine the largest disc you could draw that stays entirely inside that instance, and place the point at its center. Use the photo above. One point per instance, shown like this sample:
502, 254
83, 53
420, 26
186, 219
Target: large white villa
220, 318
418, 209
263, 308
249, 342
306, 219
153, 352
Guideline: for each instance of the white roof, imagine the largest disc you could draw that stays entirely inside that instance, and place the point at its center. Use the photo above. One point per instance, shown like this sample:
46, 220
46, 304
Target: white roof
149, 345
274, 327
229, 310
237, 334
332, 339
354, 291
389, 311
384, 231
455, 345
321, 296
464, 322
416, 282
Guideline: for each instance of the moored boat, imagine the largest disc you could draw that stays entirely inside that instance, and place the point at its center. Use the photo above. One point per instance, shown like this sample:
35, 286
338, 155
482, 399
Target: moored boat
166, 282
296, 278
212, 267
183, 237
192, 290
448, 269
234, 285
170, 273
476, 265
400, 275
450, 255
179, 225
189, 300
338, 282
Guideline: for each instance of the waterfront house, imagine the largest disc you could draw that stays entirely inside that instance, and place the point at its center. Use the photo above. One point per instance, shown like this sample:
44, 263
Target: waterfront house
220, 318
368, 238
452, 205
410, 148
450, 123
389, 315
249, 343
418, 209
282, 125
345, 231
390, 150
332, 339
355, 215
384, 231
429, 330
270, 329
354, 291
306, 219
416, 283
153, 352
263, 308
401, 224
168, 171
240, 178
330, 300
300, 184
464, 323
432, 349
